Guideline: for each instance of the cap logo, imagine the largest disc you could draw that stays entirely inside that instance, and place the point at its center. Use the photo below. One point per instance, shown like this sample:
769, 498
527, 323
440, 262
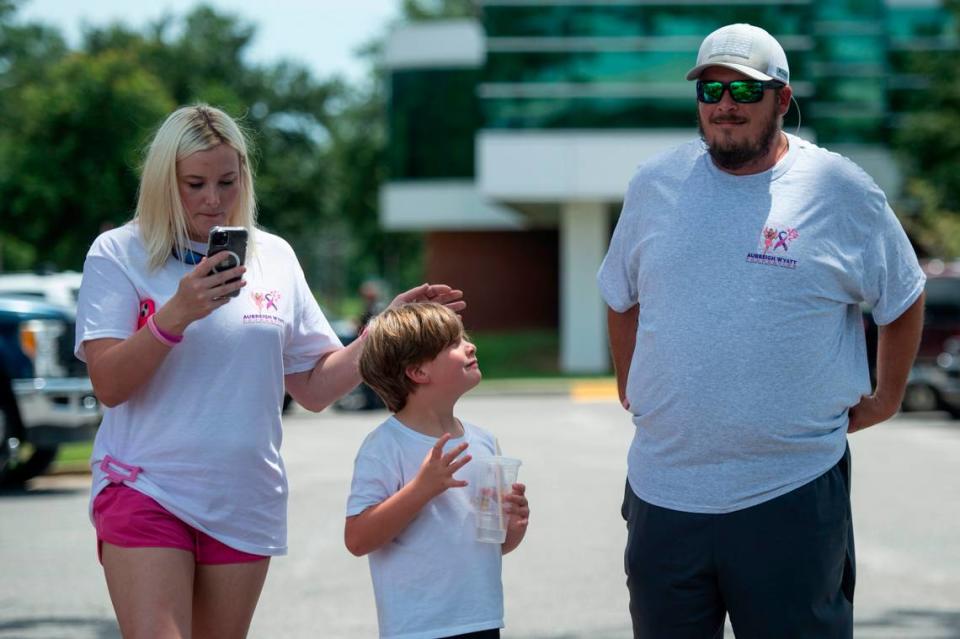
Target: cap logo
782, 73
734, 45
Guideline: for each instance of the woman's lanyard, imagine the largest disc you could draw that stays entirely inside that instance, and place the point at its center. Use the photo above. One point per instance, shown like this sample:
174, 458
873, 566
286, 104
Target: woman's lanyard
189, 256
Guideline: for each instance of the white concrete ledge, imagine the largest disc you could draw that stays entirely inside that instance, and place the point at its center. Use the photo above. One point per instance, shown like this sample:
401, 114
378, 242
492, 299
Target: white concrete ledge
436, 44
434, 205
537, 166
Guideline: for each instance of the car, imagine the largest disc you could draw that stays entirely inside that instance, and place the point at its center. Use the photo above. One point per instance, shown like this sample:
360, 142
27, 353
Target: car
941, 320
57, 288
934, 382
360, 397
63, 287
47, 397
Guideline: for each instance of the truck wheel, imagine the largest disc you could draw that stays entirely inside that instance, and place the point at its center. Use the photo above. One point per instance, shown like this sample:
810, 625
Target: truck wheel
4, 446
19, 472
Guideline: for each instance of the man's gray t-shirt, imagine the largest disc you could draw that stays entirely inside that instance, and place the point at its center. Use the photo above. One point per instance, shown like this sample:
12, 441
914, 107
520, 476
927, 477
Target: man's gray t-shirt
750, 345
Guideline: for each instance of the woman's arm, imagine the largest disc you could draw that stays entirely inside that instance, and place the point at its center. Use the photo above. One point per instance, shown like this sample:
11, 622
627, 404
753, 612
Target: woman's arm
120, 367
337, 372
333, 377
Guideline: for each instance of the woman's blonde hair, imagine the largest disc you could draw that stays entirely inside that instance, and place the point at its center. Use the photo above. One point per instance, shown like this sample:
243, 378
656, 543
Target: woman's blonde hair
405, 336
160, 213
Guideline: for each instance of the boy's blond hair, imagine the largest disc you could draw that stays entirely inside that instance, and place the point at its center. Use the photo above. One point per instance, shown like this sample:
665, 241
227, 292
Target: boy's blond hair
401, 337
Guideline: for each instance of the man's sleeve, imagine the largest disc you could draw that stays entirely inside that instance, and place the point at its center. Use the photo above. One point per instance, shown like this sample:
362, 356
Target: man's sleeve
617, 278
892, 277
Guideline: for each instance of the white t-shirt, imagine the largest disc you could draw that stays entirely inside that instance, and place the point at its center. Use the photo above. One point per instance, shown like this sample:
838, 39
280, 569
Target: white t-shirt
434, 579
750, 343
205, 428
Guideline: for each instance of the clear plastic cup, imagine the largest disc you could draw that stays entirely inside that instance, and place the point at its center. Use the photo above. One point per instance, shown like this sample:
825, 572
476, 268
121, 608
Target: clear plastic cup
496, 477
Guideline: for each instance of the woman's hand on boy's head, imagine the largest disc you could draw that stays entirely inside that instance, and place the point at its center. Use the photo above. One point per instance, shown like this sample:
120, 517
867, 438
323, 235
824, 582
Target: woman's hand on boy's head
436, 471
440, 293
518, 508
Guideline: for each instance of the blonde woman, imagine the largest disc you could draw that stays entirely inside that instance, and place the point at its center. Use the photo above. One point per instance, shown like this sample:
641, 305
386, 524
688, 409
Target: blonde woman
189, 491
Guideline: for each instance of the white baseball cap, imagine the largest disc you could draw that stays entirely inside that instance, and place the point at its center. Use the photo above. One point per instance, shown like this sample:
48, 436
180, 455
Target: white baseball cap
744, 48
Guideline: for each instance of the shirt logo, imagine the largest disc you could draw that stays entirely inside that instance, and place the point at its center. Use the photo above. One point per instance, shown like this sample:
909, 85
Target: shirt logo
268, 308
774, 247
266, 301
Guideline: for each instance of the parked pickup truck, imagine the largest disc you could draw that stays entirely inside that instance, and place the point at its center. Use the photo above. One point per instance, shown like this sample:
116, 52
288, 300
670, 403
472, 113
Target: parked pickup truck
46, 398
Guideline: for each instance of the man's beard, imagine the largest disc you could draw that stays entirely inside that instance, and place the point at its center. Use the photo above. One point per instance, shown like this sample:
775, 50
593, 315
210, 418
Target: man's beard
736, 155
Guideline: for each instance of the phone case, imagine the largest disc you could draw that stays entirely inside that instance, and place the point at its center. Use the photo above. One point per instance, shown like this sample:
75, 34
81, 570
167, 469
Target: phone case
232, 239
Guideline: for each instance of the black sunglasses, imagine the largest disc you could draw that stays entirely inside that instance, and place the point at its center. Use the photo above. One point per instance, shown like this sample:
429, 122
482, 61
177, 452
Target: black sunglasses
742, 91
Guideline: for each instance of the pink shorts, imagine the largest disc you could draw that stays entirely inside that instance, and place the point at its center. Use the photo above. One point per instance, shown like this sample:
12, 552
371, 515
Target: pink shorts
126, 517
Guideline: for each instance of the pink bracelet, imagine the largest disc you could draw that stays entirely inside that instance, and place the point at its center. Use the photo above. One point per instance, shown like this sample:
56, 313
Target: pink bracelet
162, 336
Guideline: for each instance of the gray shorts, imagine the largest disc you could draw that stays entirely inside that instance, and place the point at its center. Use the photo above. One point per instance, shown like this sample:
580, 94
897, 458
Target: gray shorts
784, 568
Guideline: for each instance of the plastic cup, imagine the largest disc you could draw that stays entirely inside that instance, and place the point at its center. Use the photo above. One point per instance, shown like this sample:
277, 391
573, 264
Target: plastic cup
496, 477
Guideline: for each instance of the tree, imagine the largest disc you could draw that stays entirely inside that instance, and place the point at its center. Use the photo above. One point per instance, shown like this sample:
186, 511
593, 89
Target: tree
76, 124
928, 142
26, 52
77, 152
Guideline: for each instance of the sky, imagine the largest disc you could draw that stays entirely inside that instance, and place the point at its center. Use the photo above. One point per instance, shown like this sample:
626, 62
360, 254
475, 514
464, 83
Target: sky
321, 34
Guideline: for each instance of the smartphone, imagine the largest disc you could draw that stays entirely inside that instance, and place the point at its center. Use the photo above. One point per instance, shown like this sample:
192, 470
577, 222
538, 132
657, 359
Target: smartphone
233, 240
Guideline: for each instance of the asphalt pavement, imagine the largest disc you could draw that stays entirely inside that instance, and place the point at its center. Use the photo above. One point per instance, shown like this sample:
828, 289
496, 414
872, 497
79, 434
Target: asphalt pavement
564, 582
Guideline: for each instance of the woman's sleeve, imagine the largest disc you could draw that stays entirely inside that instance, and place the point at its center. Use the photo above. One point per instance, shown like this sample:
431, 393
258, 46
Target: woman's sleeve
108, 303
312, 336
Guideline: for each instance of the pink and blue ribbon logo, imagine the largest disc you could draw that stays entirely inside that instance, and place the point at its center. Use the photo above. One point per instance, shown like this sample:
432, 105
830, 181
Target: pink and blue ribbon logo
777, 239
266, 301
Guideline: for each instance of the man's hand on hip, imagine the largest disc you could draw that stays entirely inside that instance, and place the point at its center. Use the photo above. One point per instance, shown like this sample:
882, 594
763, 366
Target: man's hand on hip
871, 410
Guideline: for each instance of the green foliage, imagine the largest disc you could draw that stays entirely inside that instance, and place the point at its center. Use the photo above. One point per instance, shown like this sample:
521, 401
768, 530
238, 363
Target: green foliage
71, 160
928, 140
934, 227
76, 123
530, 353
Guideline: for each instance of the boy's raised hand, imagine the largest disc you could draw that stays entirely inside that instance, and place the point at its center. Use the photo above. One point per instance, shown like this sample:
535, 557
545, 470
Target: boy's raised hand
437, 469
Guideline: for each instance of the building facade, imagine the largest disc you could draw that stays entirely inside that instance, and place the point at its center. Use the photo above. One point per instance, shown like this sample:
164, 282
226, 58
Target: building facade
512, 137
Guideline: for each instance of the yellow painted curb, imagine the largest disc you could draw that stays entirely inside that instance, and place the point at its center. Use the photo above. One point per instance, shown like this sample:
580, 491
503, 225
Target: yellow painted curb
602, 390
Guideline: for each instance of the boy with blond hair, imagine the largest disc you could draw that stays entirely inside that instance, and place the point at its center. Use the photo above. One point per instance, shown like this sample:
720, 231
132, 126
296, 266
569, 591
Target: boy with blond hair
431, 578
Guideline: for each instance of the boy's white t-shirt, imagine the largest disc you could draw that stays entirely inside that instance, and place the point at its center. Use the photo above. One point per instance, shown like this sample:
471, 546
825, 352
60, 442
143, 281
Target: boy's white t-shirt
434, 579
205, 428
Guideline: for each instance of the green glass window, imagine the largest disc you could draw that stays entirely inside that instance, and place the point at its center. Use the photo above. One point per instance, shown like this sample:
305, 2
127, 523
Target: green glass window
589, 113
853, 10
630, 20
605, 66
433, 119
904, 23
852, 48
849, 128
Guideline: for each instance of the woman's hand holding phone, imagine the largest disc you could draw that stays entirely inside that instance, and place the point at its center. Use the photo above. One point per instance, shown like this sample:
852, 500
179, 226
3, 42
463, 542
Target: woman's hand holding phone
211, 284
200, 292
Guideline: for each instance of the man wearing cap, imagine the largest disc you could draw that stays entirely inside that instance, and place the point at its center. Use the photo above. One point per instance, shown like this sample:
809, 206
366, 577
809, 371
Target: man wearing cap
734, 281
